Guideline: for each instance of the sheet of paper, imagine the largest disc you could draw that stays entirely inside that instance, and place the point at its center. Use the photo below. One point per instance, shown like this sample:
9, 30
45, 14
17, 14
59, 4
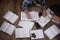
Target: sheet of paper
33, 14
4, 26
10, 29
26, 24
10, 16
22, 33
52, 32
39, 34
43, 21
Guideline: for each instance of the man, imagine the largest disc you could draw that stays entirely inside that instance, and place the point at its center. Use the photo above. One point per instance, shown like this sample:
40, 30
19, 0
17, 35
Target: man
27, 3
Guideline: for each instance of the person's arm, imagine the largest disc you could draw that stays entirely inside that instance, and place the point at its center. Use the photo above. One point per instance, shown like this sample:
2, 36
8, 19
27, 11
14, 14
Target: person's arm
35, 2
44, 13
44, 6
27, 14
24, 8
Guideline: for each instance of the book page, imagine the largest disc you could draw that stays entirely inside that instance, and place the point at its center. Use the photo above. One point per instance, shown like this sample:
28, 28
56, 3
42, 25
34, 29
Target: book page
4, 26
22, 33
33, 14
55, 30
39, 34
52, 32
10, 16
26, 24
10, 29
43, 21
49, 33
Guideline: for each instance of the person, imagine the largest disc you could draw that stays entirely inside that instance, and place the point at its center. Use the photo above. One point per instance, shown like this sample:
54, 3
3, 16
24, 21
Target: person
27, 3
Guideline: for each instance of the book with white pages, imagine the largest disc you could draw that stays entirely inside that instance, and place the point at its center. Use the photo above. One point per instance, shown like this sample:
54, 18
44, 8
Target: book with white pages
22, 33
7, 28
39, 34
43, 20
33, 14
52, 31
26, 24
10, 16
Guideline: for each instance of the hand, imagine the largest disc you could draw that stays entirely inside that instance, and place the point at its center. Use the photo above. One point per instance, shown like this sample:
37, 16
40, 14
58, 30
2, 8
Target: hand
44, 13
27, 14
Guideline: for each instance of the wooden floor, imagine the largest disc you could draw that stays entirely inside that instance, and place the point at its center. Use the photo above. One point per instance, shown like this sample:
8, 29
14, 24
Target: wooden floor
15, 6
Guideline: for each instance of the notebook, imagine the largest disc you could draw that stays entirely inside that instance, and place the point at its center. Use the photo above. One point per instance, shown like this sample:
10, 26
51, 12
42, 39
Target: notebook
39, 34
10, 16
43, 21
33, 14
7, 28
22, 33
52, 32
26, 24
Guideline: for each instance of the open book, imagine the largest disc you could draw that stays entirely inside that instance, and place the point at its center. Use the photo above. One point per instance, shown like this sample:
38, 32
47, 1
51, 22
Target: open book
38, 34
33, 14
10, 16
43, 21
7, 28
26, 24
52, 32
22, 33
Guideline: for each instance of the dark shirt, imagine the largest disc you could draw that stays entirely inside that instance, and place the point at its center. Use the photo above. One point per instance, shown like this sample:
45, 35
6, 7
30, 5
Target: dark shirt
26, 3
